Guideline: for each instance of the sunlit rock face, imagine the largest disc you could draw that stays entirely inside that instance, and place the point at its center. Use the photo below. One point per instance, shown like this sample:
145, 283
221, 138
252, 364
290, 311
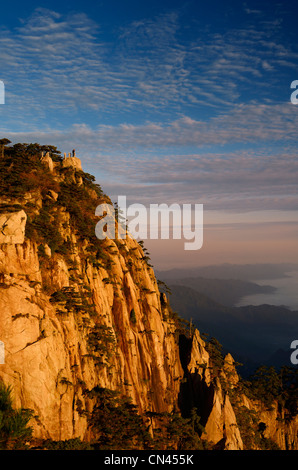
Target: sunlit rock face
12, 227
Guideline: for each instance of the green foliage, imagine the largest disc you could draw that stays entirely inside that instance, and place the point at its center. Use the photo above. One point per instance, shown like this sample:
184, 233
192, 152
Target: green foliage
41, 251
77, 201
89, 182
14, 430
72, 301
119, 216
44, 228
163, 287
252, 430
115, 422
247, 424
3, 143
268, 385
183, 327
214, 349
289, 392
271, 388
101, 343
69, 444
22, 170
55, 154
101, 338
180, 433
264, 384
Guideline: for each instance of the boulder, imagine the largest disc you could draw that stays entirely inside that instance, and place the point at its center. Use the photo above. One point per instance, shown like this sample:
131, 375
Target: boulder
72, 162
47, 161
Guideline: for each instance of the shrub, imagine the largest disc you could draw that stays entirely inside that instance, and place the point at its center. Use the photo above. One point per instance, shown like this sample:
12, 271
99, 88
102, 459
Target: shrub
69, 444
14, 430
116, 422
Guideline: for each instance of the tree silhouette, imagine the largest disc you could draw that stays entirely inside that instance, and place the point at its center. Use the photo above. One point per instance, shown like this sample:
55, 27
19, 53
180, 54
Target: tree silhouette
14, 430
3, 143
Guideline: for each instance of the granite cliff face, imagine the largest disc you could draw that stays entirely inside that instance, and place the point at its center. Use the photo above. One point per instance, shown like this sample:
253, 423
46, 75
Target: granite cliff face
78, 314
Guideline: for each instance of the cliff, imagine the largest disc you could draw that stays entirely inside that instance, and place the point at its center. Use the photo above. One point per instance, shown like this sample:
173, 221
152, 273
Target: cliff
83, 322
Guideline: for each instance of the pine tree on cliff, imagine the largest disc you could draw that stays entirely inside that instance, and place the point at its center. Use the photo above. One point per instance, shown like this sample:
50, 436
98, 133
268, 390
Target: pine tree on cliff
3, 143
14, 429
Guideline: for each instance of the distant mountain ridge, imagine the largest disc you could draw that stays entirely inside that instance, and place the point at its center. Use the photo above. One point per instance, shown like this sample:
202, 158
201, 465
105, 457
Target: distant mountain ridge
225, 291
255, 333
244, 272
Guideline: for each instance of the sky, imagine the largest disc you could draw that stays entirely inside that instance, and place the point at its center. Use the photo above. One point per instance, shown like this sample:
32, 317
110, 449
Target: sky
185, 102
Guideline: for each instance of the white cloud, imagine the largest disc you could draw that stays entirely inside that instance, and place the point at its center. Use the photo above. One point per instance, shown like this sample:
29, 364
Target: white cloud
58, 66
137, 160
57, 63
244, 124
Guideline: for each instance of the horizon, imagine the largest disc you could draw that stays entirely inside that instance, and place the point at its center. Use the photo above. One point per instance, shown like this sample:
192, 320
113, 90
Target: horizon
220, 265
167, 102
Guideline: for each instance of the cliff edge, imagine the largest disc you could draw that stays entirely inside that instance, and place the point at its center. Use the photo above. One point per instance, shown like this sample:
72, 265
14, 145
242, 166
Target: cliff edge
84, 324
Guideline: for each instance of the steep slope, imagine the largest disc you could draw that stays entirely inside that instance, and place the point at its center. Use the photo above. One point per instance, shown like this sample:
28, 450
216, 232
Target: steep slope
83, 323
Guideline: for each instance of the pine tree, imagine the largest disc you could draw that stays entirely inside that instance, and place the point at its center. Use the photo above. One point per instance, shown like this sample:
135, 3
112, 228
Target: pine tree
14, 430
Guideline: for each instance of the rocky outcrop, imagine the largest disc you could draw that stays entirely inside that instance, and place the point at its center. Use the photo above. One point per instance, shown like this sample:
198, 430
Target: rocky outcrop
48, 356
219, 417
48, 162
73, 162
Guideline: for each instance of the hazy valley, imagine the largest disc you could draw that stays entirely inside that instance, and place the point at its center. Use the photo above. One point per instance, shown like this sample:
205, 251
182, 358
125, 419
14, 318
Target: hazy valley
255, 334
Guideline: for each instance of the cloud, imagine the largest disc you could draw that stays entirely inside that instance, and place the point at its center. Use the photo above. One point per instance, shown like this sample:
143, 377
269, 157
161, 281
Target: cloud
60, 66
143, 162
252, 124
229, 181
151, 84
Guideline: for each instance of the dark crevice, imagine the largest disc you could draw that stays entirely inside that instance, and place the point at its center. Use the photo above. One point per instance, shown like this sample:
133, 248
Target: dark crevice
194, 392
